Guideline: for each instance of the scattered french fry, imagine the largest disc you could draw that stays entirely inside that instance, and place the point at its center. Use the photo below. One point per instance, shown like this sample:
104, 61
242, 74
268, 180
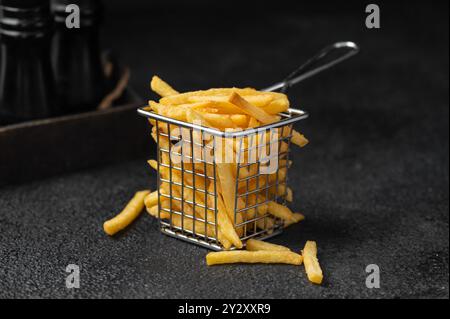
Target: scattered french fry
312, 267
252, 257
128, 215
256, 245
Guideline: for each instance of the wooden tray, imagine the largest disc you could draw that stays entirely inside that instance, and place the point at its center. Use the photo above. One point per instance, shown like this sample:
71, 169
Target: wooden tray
43, 148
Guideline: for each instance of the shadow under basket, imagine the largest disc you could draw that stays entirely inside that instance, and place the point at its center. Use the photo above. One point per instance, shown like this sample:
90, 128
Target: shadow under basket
207, 176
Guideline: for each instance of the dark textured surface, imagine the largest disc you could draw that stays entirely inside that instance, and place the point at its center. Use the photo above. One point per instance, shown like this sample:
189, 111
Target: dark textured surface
373, 183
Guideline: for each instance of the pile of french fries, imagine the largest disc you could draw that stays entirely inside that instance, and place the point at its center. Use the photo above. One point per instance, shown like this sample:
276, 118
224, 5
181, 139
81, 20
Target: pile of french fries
228, 109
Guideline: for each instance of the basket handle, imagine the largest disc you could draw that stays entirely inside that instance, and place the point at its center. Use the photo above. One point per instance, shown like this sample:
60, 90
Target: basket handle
324, 59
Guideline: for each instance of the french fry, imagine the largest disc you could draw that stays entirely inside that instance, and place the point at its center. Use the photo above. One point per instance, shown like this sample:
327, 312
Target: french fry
231, 216
227, 184
178, 113
261, 100
240, 120
266, 223
252, 123
151, 199
188, 223
282, 190
277, 106
226, 225
152, 210
296, 218
243, 256
256, 245
312, 266
220, 121
281, 211
162, 88
189, 97
298, 139
252, 110
220, 104
127, 215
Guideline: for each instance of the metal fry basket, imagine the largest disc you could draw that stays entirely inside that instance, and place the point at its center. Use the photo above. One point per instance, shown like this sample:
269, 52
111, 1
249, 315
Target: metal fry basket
190, 159
194, 161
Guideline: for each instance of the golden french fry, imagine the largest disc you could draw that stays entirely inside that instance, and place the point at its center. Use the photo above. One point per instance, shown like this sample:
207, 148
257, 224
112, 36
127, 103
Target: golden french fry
284, 190
298, 139
255, 245
228, 184
266, 223
296, 217
188, 97
277, 106
261, 100
220, 104
280, 211
240, 120
129, 213
220, 121
239, 219
252, 110
151, 199
312, 266
243, 256
252, 123
177, 113
162, 88
154, 211
188, 223
226, 225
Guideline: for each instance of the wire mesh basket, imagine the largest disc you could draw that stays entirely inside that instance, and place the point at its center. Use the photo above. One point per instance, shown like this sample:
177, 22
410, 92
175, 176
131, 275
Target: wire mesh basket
192, 158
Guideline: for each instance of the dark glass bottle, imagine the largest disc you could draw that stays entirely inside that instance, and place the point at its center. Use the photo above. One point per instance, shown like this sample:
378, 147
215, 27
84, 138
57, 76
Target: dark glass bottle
76, 57
26, 79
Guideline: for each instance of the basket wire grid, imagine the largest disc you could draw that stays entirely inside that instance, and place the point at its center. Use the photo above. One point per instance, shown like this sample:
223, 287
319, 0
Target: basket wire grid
187, 159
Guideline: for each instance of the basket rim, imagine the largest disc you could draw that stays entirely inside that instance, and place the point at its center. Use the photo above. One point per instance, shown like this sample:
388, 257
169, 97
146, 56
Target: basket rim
291, 116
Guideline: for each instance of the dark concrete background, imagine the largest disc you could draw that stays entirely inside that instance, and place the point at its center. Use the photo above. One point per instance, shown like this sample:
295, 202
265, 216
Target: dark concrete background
373, 183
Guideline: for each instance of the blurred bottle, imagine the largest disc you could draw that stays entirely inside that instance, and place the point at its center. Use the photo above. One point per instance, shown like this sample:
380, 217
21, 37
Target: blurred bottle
76, 57
26, 79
